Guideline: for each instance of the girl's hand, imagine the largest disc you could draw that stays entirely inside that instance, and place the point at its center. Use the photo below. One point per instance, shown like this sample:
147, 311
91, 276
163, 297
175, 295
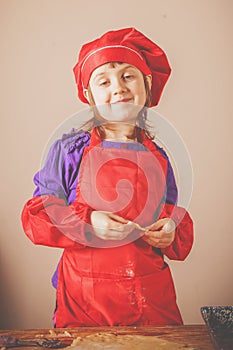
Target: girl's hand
109, 226
160, 234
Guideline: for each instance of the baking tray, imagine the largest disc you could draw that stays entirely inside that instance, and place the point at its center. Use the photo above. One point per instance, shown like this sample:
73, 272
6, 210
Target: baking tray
219, 320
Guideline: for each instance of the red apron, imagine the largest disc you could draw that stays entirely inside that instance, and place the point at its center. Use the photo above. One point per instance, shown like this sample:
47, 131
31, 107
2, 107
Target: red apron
118, 282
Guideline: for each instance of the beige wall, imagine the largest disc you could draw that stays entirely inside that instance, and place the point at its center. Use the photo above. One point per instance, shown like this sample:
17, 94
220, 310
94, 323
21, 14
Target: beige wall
39, 44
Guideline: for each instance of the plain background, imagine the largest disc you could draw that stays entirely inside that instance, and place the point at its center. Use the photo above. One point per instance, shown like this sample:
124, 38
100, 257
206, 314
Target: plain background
40, 40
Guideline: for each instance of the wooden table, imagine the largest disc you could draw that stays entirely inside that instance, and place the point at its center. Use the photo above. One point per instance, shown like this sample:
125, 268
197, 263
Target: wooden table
196, 336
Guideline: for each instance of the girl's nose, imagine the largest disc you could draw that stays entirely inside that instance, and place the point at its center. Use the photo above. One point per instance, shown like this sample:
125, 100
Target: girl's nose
118, 86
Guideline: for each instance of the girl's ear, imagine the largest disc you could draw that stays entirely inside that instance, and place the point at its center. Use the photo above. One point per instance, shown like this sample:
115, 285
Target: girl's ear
149, 80
86, 94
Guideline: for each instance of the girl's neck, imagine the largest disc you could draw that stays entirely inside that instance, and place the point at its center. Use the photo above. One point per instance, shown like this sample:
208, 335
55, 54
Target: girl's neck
118, 132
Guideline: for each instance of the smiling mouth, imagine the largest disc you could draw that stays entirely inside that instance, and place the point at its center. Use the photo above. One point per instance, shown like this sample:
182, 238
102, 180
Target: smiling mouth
124, 100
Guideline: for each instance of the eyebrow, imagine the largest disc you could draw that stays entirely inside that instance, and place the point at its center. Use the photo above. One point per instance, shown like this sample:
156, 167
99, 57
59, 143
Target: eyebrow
103, 73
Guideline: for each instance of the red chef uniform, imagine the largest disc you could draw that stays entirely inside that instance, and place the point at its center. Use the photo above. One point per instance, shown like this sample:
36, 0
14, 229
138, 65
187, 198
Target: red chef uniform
128, 284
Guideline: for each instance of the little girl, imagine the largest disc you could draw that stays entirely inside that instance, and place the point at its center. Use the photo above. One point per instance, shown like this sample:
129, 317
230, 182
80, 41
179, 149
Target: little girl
107, 195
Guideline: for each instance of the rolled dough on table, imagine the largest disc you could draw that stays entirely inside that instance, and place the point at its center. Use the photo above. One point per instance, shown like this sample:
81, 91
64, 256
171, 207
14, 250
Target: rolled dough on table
109, 341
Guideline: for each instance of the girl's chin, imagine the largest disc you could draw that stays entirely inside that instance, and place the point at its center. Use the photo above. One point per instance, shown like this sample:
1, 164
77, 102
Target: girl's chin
119, 112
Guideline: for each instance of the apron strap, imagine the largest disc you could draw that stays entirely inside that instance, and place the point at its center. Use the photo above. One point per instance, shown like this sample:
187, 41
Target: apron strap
95, 139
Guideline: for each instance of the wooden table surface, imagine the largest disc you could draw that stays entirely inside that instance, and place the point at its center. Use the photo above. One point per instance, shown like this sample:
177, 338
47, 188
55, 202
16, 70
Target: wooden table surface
196, 336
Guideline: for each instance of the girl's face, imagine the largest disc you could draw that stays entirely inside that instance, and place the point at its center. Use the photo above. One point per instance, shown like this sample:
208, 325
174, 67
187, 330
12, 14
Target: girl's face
118, 88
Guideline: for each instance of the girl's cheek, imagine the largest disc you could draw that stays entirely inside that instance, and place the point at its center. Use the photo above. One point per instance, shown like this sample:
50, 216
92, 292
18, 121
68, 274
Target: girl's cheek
106, 98
101, 95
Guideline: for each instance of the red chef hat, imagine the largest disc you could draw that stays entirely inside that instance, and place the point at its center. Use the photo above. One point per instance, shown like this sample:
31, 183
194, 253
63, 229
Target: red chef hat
125, 45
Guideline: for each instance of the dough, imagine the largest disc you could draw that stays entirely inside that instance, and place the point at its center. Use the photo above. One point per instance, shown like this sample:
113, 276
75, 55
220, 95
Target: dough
110, 341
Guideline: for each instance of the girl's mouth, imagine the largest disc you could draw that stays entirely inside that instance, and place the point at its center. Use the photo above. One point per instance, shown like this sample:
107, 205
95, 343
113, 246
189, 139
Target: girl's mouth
123, 100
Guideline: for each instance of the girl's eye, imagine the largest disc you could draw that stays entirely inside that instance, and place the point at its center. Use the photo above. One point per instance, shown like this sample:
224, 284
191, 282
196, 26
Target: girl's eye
128, 76
102, 82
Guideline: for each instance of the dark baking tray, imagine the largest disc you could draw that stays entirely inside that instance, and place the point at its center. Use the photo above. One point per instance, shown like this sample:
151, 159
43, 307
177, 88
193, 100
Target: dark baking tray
219, 320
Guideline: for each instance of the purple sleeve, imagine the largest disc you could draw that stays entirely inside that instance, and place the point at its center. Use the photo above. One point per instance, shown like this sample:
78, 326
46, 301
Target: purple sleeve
171, 194
50, 179
59, 174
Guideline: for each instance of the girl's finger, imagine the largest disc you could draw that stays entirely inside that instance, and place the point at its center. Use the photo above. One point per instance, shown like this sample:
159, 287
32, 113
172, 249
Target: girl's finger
157, 225
116, 235
118, 218
158, 242
170, 226
154, 234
